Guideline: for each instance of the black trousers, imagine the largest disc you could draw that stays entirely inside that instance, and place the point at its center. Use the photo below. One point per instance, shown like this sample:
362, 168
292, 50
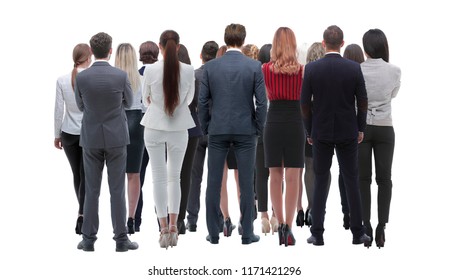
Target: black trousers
347, 155
379, 141
261, 178
74, 153
193, 202
143, 170
186, 175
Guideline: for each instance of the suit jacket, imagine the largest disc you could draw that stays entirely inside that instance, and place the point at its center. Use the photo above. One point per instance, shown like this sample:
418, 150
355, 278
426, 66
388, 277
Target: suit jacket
233, 89
155, 116
337, 88
196, 131
103, 92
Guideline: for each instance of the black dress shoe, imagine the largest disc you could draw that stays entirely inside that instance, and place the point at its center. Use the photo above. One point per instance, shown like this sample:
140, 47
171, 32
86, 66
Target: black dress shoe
249, 240
79, 225
181, 227
346, 221
123, 246
315, 241
212, 240
130, 225
86, 245
191, 227
361, 240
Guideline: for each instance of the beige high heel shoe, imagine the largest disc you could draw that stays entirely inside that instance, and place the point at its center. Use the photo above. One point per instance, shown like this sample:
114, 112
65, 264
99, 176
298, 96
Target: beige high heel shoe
164, 238
265, 226
173, 239
274, 224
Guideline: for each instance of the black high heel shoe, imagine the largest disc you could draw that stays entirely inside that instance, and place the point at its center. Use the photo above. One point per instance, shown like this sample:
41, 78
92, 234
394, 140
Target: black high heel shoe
308, 218
380, 235
369, 232
289, 239
79, 225
228, 227
130, 224
300, 218
281, 234
346, 221
137, 223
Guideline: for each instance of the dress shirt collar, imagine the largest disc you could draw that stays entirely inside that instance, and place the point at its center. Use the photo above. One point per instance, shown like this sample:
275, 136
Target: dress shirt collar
332, 53
233, 49
101, 60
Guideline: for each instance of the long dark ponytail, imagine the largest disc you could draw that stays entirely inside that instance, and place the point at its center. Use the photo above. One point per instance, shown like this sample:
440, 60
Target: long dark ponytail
169, 41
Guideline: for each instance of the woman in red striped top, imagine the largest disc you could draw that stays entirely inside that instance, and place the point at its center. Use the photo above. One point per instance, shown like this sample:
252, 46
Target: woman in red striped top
284, 136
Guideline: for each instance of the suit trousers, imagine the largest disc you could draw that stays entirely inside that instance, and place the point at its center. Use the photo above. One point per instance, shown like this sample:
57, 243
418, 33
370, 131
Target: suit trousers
166, 150
379, 140
193, 203
347, 155
245, 153
94, 160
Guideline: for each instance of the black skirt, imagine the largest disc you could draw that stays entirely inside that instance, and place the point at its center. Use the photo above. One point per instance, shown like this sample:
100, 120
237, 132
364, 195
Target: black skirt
284, 136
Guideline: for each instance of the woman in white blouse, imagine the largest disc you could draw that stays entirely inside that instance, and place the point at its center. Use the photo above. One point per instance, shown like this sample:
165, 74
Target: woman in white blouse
68, 124
382, 81
168, 89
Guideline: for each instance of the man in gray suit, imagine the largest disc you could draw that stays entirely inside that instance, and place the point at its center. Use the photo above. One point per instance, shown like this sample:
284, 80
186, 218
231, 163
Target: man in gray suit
102, 92
232, 109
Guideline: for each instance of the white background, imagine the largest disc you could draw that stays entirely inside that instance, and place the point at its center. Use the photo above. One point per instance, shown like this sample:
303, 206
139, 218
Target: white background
38, 205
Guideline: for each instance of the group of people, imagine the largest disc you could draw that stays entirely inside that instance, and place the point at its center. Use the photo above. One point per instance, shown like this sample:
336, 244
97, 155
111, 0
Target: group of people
257, 111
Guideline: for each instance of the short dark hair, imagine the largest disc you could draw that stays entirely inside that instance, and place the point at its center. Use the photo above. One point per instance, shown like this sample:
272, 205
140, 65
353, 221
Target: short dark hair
148, 52
375, 44
264, 53
235, 35
333, 37
101, 44
209, 50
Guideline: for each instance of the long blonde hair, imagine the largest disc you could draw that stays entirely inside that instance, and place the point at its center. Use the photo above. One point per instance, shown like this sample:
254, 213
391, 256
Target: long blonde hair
126, 60
284, 54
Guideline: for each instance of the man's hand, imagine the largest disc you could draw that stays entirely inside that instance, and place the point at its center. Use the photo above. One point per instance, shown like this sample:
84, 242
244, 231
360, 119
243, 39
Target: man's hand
360, 137
309, 140
58, 144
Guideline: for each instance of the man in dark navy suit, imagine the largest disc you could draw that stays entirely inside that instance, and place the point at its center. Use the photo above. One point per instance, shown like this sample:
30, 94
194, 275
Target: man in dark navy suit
336, 121
232, 109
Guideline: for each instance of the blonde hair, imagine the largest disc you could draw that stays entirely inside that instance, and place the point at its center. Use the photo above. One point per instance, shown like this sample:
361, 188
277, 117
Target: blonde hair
126, 60
251, 51
315, 52
284, 54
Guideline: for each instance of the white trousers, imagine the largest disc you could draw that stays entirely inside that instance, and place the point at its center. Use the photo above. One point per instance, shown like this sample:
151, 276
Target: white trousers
166, 150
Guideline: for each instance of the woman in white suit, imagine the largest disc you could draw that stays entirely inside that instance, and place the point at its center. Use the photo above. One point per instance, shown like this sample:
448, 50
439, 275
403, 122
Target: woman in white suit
168, 89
